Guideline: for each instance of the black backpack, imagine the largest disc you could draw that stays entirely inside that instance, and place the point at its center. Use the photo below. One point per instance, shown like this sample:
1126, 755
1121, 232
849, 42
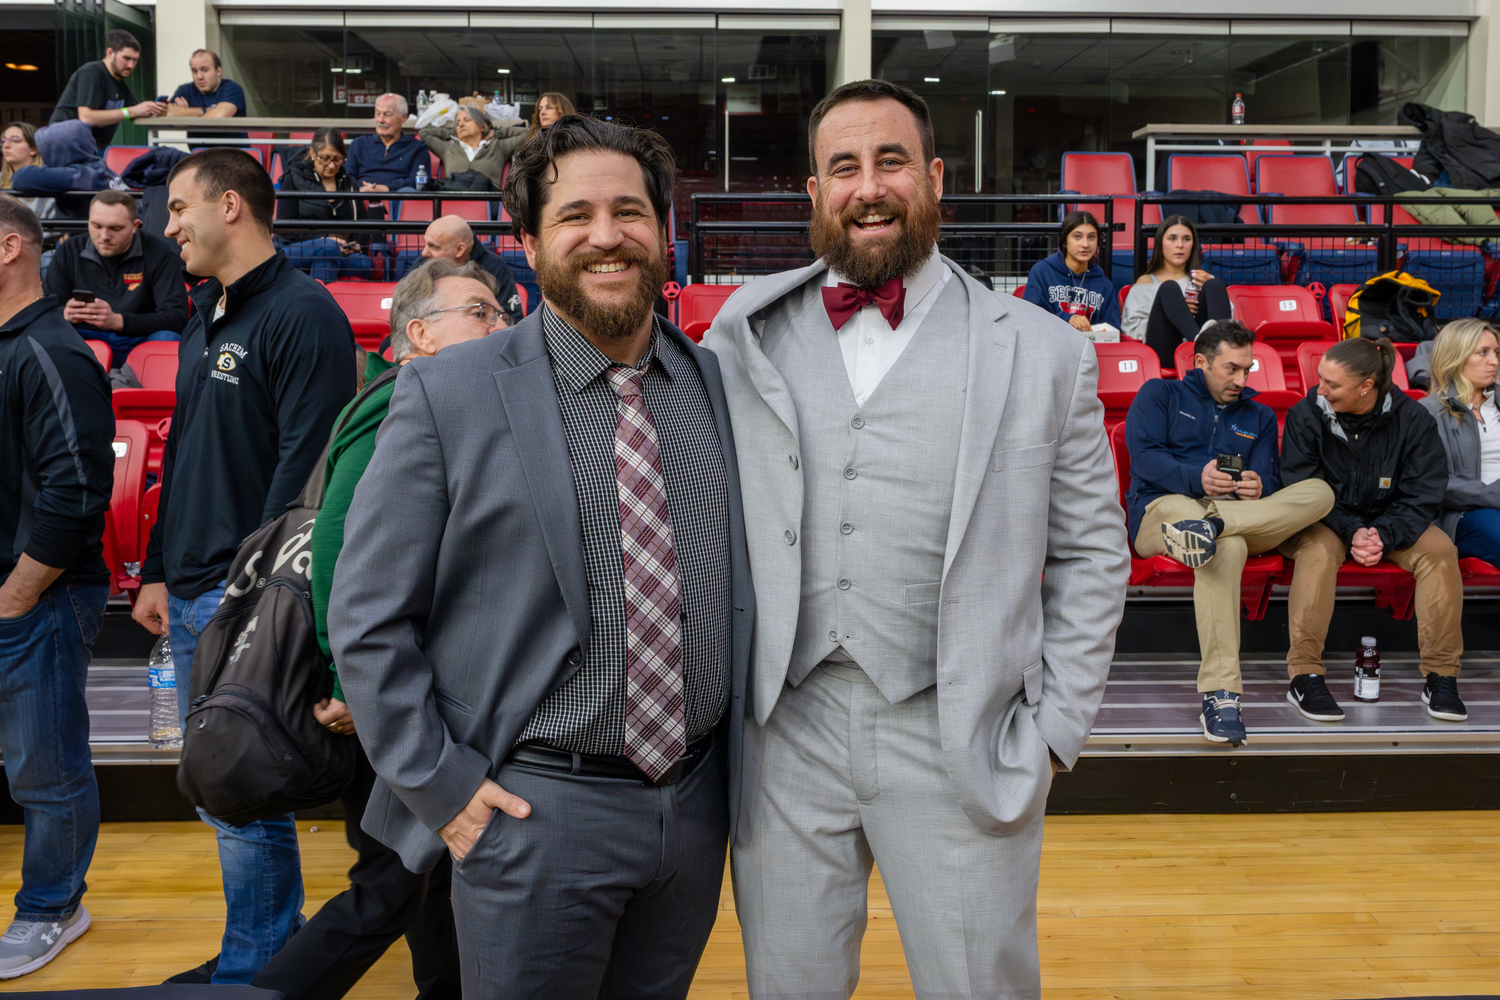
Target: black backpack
251, 746
1395, 305
1381, 175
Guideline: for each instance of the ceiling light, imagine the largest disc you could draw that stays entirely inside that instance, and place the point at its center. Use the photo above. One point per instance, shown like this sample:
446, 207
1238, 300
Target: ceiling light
353, 71
503, 71
931, 79
997, 93
23, 67
726, 79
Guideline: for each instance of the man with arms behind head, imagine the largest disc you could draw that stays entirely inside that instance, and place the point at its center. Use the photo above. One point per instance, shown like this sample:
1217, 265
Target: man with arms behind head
552, 694
939, 571
450, 238
1182, 504
97, 93
56, 474
270, 364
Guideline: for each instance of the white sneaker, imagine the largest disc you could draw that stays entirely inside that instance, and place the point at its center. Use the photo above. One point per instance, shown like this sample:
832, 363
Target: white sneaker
27, 945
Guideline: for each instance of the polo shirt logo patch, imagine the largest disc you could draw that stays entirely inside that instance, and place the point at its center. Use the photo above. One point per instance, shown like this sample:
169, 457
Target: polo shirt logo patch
1244, 434
1385, 482
133, 281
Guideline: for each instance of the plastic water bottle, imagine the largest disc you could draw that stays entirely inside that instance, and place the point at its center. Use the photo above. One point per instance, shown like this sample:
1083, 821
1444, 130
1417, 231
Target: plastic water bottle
421, 177
1190, 293
421, 102
1237, 110
1367, 671
165, 732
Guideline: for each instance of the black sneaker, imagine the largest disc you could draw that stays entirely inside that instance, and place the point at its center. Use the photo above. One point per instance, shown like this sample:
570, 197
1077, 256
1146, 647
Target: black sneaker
1440, 695
202, 975
1190, 542
1221, 718
1309, 693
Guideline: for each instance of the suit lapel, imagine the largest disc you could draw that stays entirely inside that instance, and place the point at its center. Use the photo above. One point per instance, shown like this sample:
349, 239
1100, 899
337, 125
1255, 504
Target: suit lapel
991, 356
529, 396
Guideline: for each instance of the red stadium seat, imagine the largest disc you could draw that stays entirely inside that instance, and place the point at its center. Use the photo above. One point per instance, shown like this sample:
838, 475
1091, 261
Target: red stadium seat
155, 363
146, 405
150, 507
131, 444
1123, 369
1303, 176
469, 211
117, 158
1350, 165
1282, 317
525, 300
102, 351
1338, 304
1310, 353
368, 306
1252, 156
696, 329
1266, 374
700, 303
1108, 174
1124, 293
1225, 173
412, 211
1256, 579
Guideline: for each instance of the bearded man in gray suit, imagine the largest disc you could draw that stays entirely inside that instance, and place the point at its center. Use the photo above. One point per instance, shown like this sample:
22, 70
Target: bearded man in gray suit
939, 560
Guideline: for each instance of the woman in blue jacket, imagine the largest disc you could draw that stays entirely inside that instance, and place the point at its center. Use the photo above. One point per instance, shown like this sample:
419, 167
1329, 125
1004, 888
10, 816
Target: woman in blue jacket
1069, 283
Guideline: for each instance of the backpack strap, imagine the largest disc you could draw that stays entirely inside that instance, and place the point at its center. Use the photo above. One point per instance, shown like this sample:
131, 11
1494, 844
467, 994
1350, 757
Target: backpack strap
311, 497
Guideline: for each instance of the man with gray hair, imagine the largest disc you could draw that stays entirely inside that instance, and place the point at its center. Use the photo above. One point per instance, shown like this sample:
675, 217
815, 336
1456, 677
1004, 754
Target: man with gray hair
56, 474
433, 308
386, 161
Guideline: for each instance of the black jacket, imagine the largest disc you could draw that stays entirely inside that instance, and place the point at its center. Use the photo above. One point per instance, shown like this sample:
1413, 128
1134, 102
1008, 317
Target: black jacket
300, 176
508, 297
257, 394
144, 284
1391, 477
57, 463
1456, 142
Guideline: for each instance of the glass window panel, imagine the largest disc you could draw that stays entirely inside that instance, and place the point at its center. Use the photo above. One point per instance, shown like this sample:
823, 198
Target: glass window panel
950, 69
768, 83
1386, 73
1048, 93
1292, 80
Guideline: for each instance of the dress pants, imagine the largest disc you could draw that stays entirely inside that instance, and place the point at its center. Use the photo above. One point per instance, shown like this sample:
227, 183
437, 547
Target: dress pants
1251, 528
1432, 559
608, 889
384, 900
845, 779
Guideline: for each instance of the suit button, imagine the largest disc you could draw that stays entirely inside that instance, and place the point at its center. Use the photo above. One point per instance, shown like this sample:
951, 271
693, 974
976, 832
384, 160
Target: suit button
575, 658
843, 584
791, 537
858, 422
850, 473
793, 460
833, 636
846, 527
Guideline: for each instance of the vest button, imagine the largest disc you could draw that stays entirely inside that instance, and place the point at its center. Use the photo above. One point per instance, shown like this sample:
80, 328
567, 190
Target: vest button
843, 584
858, 422
791, 537
833, 636
846, 527
850, 473
793, 460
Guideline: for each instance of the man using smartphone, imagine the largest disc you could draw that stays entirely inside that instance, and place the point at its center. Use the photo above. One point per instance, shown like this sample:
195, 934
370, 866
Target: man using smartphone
1205, 489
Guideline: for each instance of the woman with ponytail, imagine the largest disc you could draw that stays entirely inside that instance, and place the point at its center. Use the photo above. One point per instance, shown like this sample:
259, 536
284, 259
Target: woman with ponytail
1465, 357
1380, 452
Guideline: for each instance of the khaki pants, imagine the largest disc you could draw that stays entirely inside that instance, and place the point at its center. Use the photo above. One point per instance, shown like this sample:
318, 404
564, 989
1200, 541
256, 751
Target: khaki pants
1251, 528
1432, 559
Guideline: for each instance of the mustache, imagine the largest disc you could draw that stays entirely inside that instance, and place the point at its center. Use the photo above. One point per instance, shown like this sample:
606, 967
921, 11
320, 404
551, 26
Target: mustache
631, 255
860, 209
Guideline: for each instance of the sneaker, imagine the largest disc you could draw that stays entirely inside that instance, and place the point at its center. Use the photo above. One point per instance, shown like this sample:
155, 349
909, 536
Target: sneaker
1221, 718
27, 945
1440, 695
1309, 693
1190, 542
203, 975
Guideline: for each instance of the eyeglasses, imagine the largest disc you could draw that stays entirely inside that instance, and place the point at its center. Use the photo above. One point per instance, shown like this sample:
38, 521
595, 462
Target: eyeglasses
481, 311
329, 159
13, 140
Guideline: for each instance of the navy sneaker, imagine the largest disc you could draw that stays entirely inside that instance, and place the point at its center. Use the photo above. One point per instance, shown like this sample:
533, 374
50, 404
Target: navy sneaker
1190, 542
1310, 694
1221, 718
1440, 695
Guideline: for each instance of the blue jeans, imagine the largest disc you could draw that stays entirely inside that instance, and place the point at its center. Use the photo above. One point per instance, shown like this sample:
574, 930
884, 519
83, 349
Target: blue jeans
325, 260
44, 734
120, 344
261, 866
1478, 535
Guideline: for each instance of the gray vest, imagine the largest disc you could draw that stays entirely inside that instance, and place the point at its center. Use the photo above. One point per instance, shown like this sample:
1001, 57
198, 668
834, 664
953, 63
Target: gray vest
878, 489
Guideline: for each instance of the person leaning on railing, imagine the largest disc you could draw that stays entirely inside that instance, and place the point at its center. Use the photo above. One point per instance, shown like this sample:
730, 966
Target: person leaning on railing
320, 167
1159, 309
1465, 357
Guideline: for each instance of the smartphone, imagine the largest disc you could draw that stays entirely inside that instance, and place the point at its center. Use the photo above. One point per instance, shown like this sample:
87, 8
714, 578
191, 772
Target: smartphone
1232, 466
83, 295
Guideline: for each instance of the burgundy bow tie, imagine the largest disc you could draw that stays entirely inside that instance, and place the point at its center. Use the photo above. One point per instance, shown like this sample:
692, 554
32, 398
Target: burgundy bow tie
843, 301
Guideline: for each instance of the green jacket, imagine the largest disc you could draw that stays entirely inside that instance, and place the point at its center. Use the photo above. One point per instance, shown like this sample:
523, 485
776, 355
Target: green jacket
348, 457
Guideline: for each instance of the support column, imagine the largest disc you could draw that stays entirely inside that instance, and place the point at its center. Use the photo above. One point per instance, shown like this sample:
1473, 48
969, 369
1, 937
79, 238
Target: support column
181, 28
1484, 63
854, 42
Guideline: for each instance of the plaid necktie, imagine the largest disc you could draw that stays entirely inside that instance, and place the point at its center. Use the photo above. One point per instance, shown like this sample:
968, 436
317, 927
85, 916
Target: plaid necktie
655, 715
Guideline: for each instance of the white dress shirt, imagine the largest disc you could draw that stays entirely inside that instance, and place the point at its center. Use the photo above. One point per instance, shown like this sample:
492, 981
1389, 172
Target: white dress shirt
869, 344
1489, 439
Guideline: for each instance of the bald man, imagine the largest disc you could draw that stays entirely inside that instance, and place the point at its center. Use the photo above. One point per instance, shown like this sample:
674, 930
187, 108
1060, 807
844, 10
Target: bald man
450, 238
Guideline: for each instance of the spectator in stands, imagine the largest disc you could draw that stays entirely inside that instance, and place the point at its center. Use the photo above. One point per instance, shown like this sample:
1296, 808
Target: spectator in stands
1165, 316
53, 499
320, 167
1070, 283
1465, 358
135, 279
450, 238
515, 437
17, 150
209, 95
1381, 453
433, 308
474, 143
549, 108
387, 160
72, 162
250, 423
97, 94
1182, 504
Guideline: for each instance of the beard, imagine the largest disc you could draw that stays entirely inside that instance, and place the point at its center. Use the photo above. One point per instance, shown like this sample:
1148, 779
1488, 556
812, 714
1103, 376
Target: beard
868, 263
560, 285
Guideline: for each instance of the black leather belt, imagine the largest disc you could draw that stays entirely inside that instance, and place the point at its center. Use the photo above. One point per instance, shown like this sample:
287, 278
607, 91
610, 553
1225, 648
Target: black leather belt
607, 766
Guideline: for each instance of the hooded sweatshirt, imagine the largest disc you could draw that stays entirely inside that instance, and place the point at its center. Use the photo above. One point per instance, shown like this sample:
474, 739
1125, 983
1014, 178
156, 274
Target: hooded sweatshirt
1053, 286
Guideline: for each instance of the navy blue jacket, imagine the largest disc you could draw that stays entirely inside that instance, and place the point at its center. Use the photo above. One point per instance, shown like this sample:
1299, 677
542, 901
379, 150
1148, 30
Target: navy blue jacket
395, 165
1174, 428
1053, 286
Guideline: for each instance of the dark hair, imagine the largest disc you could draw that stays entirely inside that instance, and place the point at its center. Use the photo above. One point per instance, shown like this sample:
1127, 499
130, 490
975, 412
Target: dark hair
121, 39
16, 217
534, 168
207, 52
1218, 332
1366, 359
872, 90
330, 137
1072, 222
225, 169
109, 196
1157, 260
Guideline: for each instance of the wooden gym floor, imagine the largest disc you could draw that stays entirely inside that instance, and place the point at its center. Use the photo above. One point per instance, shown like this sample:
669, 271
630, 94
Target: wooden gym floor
1306, 906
